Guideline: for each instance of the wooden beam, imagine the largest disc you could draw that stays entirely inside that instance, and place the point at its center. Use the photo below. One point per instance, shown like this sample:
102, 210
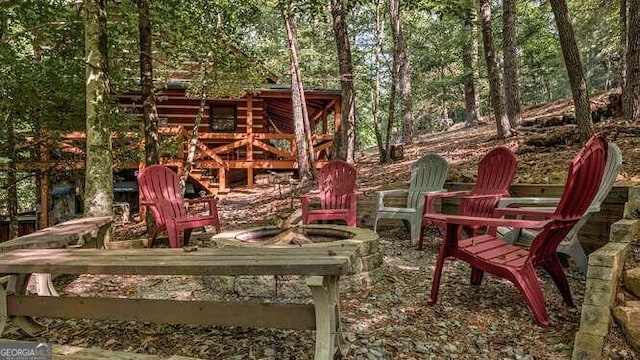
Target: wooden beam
245, 314
273, 149
256, 164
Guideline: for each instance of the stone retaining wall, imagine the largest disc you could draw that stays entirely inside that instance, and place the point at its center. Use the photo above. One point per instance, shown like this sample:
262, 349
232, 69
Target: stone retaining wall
605, 268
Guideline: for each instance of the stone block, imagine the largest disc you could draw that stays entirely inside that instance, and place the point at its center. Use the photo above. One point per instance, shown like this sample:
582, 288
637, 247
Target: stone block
595, 319
611, 255
624, 230
629, 319
631, 280
587, 346
632, 207
601, 273
598, 298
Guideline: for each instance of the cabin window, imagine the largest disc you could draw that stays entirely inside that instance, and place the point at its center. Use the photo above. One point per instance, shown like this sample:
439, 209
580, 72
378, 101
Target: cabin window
223, 117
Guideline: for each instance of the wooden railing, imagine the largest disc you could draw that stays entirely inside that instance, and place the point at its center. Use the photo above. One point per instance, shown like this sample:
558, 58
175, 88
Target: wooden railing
236, 150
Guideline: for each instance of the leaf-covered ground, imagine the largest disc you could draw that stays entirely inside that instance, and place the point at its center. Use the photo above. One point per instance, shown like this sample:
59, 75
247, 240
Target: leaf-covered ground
391, 320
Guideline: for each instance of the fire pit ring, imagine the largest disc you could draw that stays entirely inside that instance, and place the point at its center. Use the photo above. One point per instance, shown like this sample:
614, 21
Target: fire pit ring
366, 269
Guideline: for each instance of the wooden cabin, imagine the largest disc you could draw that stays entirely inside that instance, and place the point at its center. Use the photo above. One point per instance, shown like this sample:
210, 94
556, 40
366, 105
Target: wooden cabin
239, 139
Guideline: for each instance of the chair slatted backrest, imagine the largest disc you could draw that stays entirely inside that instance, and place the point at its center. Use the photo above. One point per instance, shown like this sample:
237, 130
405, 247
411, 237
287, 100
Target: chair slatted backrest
158, 183
428, 174
583, 181
336, 184
496, 172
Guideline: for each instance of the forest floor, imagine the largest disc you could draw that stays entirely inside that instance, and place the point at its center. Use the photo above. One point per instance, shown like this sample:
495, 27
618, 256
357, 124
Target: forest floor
390, 320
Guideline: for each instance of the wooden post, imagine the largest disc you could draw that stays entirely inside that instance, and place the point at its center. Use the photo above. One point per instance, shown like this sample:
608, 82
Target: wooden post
250, 138
222, 179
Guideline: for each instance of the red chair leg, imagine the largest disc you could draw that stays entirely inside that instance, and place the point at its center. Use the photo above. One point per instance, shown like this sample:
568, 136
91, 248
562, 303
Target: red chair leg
174, 236
421, 237
527, 282
187, 236
476, 276
437, 275
554, 268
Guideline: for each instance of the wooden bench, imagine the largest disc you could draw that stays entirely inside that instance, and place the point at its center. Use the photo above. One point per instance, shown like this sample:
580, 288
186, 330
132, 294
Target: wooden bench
322, 268
85, 232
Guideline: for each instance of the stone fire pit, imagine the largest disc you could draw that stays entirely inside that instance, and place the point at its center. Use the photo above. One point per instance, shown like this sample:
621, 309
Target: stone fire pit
365, 270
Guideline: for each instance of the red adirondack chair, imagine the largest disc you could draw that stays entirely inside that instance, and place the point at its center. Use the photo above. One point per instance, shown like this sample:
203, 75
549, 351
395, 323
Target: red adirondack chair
336, 191
490, 253
160, 188
496, 171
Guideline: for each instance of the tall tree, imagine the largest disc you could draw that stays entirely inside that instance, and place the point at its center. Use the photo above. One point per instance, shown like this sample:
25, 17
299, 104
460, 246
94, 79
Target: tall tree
296, 97
12, 182
348, 108
623, 44
149, 110
98, 197
469, 61
573, 64
375, 96
404, 76
632, 97
510, 51
502, 123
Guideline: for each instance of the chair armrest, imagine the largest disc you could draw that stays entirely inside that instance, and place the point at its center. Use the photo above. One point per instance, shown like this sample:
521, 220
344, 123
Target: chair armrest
381, 194
509, 201
530, 212
430, 197
211, 200
491, 222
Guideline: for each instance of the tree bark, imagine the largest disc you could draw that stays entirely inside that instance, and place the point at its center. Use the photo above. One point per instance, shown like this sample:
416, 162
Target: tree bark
633, 62
12, 183
623, 46
502, 123
98, 196
375, 107
348, 121
149, 109
573, 64
510, 51
404, 75
297, 85
296, 99
468, 63
193, 139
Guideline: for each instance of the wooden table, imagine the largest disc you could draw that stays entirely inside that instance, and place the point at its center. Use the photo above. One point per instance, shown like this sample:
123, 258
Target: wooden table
322, 268
84, 232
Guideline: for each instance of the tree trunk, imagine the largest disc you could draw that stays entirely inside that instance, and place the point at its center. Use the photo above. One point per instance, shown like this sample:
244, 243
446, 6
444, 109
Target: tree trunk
149, 110
375, 107
98, 196
296, 99
511, 82
297, 86
193, 139
633, 63
502, 123
573, 64
623, 46
12, 183
404, 76
348, 121
468, 63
